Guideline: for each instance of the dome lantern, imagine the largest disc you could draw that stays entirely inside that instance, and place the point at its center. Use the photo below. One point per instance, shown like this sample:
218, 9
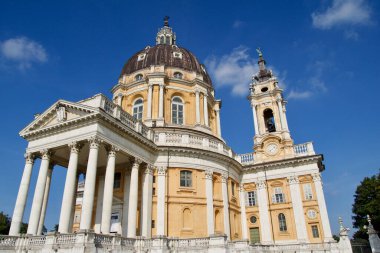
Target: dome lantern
165, 35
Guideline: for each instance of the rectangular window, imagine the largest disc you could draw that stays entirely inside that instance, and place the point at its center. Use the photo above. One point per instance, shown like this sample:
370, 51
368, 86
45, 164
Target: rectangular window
278, 196
233, 188
307, 191
251, 197
117, 180
154, 179
314, 230
153, 191
185, 178
153, 223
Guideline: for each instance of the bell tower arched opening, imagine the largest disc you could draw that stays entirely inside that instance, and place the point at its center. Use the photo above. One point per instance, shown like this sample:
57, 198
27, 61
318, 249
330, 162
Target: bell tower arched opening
270, 126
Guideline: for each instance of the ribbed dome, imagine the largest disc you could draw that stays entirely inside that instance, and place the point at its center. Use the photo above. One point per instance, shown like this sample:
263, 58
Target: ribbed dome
165, 55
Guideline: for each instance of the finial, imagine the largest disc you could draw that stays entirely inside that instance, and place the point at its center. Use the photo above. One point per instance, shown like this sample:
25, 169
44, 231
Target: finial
258, 50
166, 21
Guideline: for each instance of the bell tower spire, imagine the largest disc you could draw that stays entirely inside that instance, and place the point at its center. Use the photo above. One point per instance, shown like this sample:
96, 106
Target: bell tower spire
165, 35
272, 138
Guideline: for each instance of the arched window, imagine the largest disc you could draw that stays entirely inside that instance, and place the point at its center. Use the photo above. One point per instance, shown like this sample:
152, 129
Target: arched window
178, 75
186, 178
282, 222
138, 108
162, 40
269, 121
187, 219
138, 77
177, 111
167, 40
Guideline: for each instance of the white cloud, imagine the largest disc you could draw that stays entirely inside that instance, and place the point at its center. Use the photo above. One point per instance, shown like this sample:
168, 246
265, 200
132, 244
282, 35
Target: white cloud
23, 52
343, 12
299, 94
234, 70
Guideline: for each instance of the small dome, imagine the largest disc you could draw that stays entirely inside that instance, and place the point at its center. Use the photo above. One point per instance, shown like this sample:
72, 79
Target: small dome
168, 55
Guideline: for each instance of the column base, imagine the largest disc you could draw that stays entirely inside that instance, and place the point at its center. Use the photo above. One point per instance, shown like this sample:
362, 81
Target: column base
160, 122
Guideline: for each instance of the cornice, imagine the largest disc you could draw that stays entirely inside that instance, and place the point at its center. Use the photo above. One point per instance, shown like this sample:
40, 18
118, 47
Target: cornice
285, 163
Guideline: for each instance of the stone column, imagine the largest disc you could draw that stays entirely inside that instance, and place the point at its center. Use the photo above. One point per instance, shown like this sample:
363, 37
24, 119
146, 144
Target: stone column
197, 108
45, 201
210, 203
218, 128
243, 214
133, 195
284, 115
255, 123
146, 207
119, 99
279, 105
298, 209
99, 205
262, 197
322, 207
127, 183
205, 109
161, 194
161, 102
89, 186
70, 189
72, 215
108, 190
22, 195
39, 194
226, 211
149, 114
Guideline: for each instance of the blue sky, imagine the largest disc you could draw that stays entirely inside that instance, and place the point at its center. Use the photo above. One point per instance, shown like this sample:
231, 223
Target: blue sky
325, 54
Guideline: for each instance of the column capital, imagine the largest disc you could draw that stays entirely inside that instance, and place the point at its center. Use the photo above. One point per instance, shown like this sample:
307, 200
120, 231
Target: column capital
149, 169
75, 147
261, 184
94, 142
316, 177
205, 94
162, 85
161, 171
197, 91
112, 150
224, 176
293, 180
241, 188
209, 174
29, 157
137, 162
46, 154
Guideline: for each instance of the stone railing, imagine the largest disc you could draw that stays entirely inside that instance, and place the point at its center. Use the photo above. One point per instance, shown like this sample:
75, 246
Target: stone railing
114, 243
190, 243
245, 159
304, 149
193, 140
118, 113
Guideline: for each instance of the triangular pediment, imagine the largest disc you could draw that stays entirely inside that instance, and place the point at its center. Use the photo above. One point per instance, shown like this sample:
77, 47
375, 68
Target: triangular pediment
60, 112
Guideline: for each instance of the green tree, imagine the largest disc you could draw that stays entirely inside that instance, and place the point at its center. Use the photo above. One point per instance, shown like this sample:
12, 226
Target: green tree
367, 201
5, 223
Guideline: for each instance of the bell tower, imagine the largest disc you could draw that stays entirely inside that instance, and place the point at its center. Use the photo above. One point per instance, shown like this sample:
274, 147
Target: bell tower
272, 139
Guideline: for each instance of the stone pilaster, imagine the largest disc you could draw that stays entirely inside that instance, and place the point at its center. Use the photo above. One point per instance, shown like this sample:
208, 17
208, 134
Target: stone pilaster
265, 225
146, 212
210, 202
161, 194
226, 212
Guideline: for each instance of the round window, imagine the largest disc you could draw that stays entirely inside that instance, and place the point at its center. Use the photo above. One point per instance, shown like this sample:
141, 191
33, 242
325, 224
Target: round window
312, 214
253, 219
265, 89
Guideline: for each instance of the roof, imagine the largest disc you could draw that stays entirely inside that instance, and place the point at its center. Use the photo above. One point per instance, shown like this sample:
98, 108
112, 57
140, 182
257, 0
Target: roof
162, 54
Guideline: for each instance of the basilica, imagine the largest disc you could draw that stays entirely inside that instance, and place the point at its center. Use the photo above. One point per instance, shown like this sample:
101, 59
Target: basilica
155, 174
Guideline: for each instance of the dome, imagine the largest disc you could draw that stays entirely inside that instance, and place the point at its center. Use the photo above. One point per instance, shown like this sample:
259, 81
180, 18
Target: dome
168, 55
